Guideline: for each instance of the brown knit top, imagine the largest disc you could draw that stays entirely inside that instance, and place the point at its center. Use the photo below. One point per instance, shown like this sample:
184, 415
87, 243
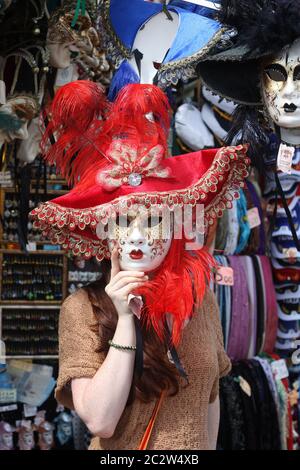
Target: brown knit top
182, 422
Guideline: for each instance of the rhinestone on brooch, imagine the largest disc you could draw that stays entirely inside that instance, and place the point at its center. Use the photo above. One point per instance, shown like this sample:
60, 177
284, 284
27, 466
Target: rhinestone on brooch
134, 179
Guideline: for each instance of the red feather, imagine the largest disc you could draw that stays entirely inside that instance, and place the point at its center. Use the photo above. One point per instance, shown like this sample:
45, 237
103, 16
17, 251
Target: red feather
133, 103
76, 119
178, 287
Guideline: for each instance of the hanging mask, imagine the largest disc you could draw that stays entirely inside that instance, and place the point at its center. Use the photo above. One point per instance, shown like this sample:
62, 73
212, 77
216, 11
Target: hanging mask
66, 39
30, 148
6, 436
20, 109
281, 87
45, 435
26, 437
64, 431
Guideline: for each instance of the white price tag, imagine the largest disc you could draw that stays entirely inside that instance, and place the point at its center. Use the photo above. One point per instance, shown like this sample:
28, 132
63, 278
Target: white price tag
280, 369
245, 386
204, 3
284, 158
8, 408
224, 276
8, 395
31, 246
29, 410
253, 217
2, 92
290, 253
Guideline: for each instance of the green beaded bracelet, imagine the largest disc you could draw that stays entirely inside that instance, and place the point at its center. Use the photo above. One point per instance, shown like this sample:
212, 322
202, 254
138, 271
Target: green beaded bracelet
123, 348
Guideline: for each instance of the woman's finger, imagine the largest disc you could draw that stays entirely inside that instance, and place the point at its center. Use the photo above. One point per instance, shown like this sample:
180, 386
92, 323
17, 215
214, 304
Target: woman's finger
115, 265
126, 280
123, 274
129, 288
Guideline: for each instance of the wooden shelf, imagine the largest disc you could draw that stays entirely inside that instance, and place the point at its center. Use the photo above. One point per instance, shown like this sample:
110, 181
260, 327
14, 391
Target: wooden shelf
56, 192
11, 357
37, 252
3, 303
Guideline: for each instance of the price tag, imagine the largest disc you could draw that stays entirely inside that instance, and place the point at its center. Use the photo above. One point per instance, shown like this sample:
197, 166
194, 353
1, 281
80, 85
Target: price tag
245, 386
280, 369
2, 92
293, 397
284, 158
31, 246
290, 253
204, 3
29, 410
253, 217
224, 276
8, 395
8, 408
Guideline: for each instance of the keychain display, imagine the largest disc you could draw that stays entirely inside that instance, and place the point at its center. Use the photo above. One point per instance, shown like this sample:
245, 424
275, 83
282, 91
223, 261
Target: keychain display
10, 218
33, 277
30, 332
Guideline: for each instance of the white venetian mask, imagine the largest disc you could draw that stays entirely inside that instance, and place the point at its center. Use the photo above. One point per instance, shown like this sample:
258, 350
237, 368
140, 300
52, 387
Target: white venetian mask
281, 87
23, 108
143, 239
153, 41
7, 439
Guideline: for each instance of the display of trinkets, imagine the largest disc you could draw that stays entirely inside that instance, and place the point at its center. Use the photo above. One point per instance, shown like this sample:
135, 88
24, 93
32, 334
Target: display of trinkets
30, 331
32, 277
11, 213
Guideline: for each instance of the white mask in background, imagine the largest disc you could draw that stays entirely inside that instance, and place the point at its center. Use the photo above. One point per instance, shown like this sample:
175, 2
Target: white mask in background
23, 108
30, 147
153, 41
60, 54
281, 87
26, 440
143, 240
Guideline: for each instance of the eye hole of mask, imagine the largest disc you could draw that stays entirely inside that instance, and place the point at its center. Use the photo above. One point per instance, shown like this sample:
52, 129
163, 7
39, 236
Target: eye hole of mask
122, 221
297, 73
152, 221
276, 72
289, 308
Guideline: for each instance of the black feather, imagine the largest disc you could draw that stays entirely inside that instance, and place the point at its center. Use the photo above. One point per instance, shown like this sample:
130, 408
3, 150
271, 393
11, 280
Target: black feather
237, 13
247, 129
263, 25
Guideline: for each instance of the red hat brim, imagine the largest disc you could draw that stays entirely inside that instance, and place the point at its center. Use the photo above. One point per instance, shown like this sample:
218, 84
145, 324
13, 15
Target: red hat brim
210, 177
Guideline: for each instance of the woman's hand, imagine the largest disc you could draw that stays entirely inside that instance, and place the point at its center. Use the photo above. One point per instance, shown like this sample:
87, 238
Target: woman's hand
121, 284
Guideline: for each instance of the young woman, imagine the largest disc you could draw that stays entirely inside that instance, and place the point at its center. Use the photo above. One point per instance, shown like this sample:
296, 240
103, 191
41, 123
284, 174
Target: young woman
141, 350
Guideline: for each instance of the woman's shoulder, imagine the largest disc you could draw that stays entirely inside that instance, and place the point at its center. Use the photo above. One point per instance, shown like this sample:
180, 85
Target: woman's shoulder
77, 297
77, 307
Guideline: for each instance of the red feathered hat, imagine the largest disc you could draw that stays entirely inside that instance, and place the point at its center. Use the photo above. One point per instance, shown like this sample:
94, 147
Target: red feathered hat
118, 157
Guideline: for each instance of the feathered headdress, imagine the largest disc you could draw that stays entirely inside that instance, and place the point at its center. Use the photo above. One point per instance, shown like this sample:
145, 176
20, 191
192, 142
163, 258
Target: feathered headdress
123, 160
